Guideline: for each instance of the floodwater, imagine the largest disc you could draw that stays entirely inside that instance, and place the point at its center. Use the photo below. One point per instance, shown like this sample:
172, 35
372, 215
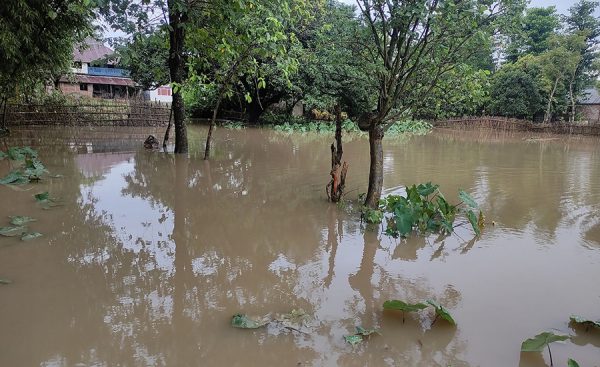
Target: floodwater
152, 254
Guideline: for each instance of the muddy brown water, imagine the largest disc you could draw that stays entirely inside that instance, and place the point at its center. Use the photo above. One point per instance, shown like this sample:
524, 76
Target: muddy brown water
151, 254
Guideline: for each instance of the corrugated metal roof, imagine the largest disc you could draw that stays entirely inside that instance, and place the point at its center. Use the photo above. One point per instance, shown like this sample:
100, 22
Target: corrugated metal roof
590, 96
91, 79
91, 50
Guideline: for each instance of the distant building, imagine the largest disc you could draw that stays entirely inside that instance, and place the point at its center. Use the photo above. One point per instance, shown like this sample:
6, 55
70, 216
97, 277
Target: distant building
589, 106
95, 75
160, 94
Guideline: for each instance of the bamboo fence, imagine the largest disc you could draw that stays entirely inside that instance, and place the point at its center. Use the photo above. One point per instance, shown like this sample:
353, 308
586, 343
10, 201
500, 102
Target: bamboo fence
131, 112
511, 124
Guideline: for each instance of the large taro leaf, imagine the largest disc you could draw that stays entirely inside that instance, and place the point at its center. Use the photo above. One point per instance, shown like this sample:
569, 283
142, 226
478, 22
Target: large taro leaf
538, 342
585, 322
31, 236
426, 189
403, 306
244, 322
353, 339
474, 223
403, 216
467, 199
14, 178
12, 231
572, 363
442, 312
19, 220
45, 200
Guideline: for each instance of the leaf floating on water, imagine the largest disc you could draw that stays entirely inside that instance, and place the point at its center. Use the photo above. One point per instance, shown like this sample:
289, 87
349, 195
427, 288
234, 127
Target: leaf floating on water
353, 339
5, 281
365, 332
572, 363
442, 312
585, 322
31, 236
538, 342
12, 231
244, 322
398, 305
14, 178
46, 201
19, 220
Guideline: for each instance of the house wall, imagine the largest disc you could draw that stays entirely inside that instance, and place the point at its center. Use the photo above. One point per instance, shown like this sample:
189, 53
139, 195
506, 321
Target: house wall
590, 113
73, 89
160, 94
83, 70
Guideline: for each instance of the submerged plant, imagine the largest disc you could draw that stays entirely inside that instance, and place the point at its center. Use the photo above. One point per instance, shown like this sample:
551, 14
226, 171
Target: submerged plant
538, 342
30, 170
241, 321
425, 209
397, 305
360, 334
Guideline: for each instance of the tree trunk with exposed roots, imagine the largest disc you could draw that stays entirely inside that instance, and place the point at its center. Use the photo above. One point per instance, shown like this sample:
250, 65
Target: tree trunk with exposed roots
335, 187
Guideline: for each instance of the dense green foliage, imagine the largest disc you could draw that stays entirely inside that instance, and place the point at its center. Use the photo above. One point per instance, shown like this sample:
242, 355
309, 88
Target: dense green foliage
36, 39
424, 209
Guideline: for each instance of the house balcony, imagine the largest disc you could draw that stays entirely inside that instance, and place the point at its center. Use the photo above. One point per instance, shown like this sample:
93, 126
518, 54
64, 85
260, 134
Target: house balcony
113, 72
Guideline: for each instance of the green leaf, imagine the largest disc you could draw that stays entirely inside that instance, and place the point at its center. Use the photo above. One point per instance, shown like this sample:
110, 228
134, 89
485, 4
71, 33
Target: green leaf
353, 339
31, 236
473, 220
538, 342
19, 220
5, 281
583, 321
244, 322
295, 319
14, 178
12, 231
404, 221
403, 306
442, 312
572, 363
426, 189
365, 332
467, 199
42, 197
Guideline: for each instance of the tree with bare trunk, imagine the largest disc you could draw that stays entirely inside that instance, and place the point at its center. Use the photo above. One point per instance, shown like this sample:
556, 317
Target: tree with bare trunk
414, 43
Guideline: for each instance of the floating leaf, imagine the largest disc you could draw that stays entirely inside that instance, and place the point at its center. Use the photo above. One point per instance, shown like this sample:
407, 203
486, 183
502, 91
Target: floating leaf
12, 231
5, 281
583, 321
19, 220
14, 178
403, 306
538, 342
244, 322
353, 339
43, 196
442, 312
365, 332
467, 199
31, 236
572, 363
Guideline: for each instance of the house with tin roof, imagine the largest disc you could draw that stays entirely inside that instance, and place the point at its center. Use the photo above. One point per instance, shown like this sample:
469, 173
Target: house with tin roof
95, 75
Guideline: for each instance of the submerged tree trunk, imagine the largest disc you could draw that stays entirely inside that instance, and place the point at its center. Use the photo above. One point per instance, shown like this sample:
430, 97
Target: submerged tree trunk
572, 97
166, 138
376, 166
548, 114
210, 129
335, 187
177, 21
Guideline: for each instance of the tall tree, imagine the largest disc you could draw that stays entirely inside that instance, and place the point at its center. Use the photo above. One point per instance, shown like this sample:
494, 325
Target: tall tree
37, 39
531, 37
414, 44
145, 16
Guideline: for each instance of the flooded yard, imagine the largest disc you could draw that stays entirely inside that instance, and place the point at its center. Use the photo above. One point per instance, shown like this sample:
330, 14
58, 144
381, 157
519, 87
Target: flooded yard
152, 254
